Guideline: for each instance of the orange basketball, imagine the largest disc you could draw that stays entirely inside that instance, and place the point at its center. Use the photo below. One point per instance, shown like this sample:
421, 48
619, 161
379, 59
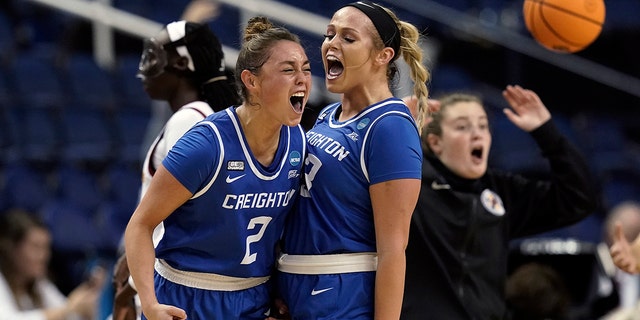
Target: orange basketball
564, 26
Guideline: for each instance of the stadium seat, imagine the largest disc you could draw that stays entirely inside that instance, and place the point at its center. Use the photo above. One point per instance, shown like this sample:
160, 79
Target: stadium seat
123, 186
166, 11
7, 134
6, 96
131, 128
604, 144
37, 81
26, 187
73, 229
8, 144
565, 124
227, 26
447, 78
513, 149
618, 187
87, 135
79, 186
621, 15
6, 37
90, 84
36, 133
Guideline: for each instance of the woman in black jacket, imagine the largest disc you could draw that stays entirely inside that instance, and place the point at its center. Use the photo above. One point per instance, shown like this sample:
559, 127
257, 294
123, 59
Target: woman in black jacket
466, 214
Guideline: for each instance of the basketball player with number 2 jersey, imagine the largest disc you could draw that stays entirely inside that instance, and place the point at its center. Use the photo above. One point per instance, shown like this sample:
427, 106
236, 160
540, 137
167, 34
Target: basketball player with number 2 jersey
224, 190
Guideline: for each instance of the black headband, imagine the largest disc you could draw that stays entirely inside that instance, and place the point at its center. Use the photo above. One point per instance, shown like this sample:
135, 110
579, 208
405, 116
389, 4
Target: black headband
384, 23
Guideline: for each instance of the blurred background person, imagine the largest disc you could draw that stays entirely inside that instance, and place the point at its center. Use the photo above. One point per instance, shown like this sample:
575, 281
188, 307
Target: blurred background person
467, 214
627, 215
537, 292
26, 292
197, 11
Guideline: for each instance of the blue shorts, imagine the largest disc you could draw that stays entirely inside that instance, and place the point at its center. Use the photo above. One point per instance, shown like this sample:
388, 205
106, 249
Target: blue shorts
248, 304
328, 296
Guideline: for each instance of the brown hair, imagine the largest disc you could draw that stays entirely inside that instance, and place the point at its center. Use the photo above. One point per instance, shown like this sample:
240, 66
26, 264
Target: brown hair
537, 291
435, 125
14, 226
259, 37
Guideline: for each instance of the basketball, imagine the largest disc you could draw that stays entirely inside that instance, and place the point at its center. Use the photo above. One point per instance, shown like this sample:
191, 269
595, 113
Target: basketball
564, 26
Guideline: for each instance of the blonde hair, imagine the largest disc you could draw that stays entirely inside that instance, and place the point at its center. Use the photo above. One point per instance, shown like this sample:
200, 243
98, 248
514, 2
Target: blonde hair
412, 54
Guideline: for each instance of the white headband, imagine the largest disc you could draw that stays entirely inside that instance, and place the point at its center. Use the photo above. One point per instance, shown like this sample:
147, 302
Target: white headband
177, 30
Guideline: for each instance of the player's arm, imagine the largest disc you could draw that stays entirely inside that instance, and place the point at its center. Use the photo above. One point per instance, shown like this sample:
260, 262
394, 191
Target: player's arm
393, 203
165, 194
394, 165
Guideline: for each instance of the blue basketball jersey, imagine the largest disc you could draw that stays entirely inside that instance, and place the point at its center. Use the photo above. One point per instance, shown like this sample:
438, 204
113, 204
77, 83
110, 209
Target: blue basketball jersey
232, 223
344, 159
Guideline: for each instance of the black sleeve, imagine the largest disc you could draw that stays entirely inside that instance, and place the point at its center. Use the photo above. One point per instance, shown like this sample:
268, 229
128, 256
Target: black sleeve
568, 195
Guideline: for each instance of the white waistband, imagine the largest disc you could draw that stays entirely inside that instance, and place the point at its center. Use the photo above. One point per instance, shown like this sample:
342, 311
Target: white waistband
328, 263
206, 281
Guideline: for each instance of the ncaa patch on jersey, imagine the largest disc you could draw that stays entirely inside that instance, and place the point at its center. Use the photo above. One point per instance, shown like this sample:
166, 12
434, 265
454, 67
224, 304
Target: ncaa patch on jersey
235, 165
363, 123
492, 202
295, 158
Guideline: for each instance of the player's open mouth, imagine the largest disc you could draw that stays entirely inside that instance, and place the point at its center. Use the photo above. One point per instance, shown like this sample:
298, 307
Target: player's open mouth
297, 101
334, 67
476, 153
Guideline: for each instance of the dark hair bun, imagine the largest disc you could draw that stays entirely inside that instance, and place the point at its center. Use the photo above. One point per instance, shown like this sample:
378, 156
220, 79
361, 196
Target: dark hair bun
256, 26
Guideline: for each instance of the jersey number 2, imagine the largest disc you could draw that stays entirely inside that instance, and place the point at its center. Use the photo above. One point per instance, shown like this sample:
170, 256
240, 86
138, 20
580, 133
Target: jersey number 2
263, 222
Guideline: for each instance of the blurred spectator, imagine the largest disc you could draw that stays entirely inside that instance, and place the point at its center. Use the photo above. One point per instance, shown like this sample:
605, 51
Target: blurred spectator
201, 11
25, 290
467, 214
535, 292
627, 214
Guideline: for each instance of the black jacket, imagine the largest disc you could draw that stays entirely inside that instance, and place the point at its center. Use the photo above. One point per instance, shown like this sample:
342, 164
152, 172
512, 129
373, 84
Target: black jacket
460, 230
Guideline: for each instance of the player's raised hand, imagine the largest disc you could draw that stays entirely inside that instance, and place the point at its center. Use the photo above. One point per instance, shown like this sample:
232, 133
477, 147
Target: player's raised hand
527, 110
625, 255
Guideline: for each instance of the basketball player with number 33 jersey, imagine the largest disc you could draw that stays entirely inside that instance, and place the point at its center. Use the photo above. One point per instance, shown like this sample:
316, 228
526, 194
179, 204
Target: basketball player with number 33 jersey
343, 251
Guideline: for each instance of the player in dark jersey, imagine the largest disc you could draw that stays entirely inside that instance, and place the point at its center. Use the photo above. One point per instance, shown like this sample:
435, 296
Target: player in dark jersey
224, 190
467, 214
183, 65
362, 176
